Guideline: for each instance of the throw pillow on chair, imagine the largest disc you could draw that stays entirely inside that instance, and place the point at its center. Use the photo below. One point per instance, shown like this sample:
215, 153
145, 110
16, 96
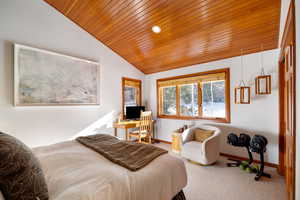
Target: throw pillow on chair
201, 135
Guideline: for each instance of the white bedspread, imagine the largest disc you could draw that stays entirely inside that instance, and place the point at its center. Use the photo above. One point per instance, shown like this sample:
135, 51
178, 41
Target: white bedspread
74, 172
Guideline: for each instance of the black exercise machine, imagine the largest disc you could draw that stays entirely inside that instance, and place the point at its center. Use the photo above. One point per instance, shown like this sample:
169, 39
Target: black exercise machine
243, 140
258, 144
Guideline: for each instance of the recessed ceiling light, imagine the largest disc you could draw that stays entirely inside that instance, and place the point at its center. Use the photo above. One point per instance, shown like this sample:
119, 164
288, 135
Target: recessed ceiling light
156, 29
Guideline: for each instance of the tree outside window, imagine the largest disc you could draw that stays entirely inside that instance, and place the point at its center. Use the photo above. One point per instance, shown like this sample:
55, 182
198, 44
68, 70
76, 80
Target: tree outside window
169, 100
189, 100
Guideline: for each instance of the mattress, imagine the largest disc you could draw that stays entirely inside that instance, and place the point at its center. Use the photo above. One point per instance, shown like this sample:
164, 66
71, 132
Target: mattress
75, 172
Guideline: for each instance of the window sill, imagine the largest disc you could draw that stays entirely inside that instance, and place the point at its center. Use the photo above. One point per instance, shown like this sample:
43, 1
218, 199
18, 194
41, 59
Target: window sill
218, 120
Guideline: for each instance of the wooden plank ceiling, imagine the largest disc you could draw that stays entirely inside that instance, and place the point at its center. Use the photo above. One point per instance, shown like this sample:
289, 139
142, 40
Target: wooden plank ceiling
192, 31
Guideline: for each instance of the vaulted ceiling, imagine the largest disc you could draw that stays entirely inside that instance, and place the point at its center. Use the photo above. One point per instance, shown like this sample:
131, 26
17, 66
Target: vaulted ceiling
192, 31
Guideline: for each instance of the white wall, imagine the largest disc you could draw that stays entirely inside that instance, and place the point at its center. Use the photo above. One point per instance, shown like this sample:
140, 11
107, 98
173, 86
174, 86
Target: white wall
35, 23
298, 99
260, 117
285, 4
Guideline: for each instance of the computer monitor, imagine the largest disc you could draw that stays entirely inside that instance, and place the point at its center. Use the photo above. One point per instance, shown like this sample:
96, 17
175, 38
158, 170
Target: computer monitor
134, 112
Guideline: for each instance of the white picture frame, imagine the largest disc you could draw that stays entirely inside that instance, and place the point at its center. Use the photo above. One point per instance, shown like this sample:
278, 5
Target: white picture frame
46, 78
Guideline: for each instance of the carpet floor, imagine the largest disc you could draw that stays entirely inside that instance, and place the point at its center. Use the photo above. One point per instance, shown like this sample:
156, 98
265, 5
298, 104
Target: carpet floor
219, 182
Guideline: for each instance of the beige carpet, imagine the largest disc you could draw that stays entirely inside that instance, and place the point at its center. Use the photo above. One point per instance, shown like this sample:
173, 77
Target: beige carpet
220, 182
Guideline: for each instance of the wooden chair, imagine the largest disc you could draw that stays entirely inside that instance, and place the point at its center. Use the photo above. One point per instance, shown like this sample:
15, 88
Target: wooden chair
145, 127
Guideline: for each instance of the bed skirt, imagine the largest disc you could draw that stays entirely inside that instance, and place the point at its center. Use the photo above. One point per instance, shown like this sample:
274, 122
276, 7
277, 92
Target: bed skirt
179, 196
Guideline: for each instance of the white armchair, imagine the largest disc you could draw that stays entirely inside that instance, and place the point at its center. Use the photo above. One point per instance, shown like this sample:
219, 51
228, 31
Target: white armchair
205, 153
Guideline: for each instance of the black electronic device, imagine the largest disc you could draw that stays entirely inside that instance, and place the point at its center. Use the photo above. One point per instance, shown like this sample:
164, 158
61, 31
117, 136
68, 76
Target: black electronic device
134, 112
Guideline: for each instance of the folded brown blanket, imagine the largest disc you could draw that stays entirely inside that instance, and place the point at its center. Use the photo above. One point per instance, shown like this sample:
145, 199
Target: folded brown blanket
130, 155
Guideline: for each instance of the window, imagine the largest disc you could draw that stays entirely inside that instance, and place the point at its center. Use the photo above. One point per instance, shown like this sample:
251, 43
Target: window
169, 100
189, 100
202, 95
131, 93
213, 99
130, 96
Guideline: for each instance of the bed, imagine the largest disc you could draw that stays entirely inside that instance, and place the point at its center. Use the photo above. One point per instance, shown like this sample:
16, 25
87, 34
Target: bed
75, 172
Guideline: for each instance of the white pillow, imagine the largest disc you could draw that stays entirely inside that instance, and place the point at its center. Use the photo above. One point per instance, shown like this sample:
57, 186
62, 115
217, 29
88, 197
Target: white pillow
186, 136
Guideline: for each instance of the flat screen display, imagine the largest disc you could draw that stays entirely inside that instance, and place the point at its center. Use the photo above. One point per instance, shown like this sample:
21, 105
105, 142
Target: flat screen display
134, 112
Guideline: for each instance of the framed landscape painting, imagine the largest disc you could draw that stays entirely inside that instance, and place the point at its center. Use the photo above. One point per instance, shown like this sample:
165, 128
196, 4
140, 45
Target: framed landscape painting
45, 78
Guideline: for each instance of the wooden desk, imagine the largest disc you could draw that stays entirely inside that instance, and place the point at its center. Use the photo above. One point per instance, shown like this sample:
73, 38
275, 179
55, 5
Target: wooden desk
127, 125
